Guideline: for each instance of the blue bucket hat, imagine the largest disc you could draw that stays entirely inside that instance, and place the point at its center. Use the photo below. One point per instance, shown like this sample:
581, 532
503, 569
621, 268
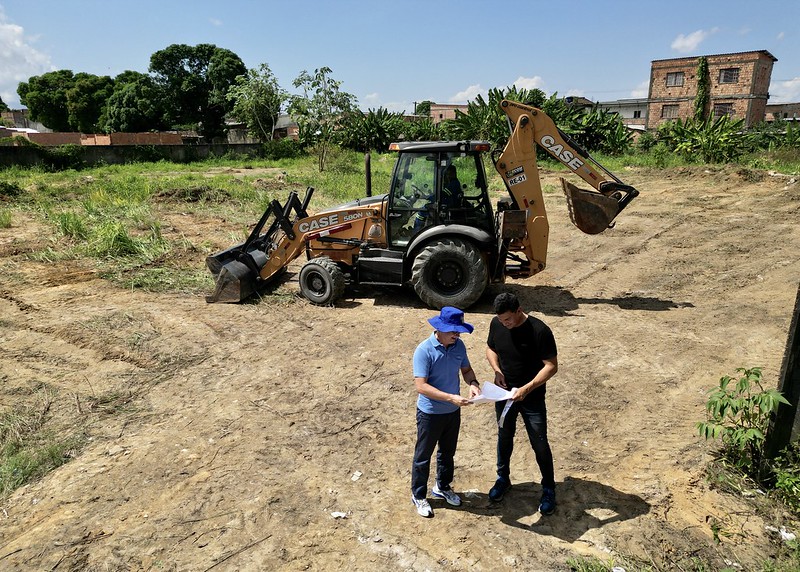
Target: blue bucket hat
450, 320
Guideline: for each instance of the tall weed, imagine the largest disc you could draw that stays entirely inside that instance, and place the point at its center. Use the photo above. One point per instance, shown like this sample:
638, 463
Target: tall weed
739, 412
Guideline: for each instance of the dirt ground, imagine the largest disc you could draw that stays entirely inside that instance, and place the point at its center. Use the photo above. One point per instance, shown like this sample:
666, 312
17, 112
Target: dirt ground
277, 435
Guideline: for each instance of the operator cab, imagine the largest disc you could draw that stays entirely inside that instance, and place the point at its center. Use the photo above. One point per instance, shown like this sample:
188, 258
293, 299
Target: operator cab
437, 183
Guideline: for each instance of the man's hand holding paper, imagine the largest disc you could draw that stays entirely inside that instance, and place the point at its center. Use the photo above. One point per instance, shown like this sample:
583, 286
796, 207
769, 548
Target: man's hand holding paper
491, 393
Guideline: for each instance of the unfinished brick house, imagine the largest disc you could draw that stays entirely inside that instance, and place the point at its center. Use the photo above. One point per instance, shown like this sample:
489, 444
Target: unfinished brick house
738, 87
444, 111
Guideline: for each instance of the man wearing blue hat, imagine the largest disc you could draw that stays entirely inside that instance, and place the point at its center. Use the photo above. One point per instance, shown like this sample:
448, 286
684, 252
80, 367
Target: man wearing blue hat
437, 363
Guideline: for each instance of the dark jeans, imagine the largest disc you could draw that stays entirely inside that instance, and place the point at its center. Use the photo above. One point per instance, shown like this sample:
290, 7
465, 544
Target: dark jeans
432, 430
534, 414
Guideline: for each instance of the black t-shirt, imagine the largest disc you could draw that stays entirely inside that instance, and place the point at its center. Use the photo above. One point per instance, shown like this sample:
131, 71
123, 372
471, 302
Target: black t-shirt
521, 351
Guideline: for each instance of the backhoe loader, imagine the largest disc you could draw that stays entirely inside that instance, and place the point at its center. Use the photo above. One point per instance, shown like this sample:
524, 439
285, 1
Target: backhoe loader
435, 229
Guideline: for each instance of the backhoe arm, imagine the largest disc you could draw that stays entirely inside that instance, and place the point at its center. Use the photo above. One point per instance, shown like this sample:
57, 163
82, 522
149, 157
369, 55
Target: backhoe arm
590, 211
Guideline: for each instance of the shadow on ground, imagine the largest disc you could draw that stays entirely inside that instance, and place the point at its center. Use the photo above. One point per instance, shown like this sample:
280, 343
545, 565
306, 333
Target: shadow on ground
583, 505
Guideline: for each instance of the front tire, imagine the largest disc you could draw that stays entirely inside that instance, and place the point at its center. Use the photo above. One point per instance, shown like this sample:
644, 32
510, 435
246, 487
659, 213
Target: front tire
449, 272
322, 281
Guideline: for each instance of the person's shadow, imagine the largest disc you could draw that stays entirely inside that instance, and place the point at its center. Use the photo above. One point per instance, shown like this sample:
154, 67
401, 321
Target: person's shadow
582, 505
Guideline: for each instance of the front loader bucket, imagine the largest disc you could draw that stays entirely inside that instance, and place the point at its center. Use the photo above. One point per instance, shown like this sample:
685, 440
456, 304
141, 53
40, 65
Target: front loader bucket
590, 211
236, 274
237, 270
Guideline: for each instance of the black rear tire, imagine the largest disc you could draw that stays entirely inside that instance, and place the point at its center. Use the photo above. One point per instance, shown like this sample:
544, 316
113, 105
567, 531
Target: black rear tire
449, 272
322, 281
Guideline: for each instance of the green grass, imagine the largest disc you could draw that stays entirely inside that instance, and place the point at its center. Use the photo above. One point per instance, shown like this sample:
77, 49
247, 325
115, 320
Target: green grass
28, 450
114, 215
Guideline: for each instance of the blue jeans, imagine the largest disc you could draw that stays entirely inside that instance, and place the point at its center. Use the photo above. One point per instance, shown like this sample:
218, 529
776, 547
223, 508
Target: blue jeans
433, 429
534, 414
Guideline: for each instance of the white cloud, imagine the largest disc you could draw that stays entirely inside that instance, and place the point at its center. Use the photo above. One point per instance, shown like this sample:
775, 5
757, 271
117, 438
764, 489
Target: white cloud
374, 101
785, 91
642, 90
468, 94
685, 44
215, 21
398, 106
534, 82
19, 60
574, 93
780, 36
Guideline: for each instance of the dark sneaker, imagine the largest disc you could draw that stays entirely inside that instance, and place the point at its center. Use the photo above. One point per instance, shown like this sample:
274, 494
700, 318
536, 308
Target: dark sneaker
447, 494
499, 490
423, 507
548, 503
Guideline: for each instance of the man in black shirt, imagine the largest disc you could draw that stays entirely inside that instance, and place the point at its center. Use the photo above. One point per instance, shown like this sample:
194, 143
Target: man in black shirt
522, 352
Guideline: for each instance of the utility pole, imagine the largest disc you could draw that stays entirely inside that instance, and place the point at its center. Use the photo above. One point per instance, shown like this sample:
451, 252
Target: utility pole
785, 425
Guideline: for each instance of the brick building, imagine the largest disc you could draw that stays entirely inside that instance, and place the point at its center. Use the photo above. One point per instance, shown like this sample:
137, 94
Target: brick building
443, 111
738, 87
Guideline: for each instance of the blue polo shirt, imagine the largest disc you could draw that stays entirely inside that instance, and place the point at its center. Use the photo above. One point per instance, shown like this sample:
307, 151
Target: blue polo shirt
442, 368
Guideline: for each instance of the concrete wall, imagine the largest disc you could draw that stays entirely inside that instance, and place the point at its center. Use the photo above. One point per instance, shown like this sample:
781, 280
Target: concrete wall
788, 111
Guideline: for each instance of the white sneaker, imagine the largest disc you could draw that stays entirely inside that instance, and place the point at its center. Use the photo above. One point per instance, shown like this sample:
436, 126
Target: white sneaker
423, 507
449, 495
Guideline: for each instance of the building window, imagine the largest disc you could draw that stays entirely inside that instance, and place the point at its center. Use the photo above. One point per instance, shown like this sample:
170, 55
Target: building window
729, 75
674, 79
637, 114
669, 111
721, 109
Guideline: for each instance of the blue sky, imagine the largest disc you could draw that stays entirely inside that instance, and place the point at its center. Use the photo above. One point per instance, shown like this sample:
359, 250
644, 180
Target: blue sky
391, 54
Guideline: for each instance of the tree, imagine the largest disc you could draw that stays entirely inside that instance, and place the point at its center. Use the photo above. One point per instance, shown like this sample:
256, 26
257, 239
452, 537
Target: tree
86, 101
45, 96
137, 104
195, 82
422, 129
319, 109
423, 108
373, 130
3, 106
257, 100
485, 120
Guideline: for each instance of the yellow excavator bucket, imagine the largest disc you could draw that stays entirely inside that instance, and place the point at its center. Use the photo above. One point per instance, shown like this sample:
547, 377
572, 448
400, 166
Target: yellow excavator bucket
590, 211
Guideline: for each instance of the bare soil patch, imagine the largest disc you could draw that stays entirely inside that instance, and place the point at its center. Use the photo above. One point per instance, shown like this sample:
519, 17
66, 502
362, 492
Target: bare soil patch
231, 437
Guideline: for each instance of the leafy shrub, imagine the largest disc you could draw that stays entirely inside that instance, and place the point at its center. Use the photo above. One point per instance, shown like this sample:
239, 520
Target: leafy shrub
285, 148
739, 413
148, 153
792, 136
9, 190
422, 130
786, 473
646, 141
720, 140
602, 130
5, 219
371, 131
66, 157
